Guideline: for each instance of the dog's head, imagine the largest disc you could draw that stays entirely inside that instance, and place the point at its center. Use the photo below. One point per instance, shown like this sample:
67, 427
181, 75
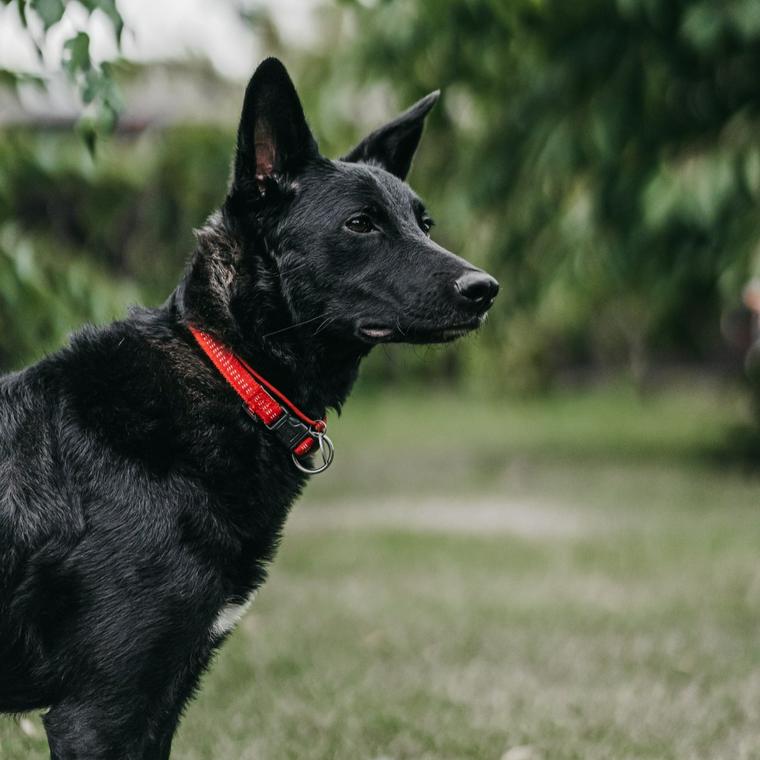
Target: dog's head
349, 239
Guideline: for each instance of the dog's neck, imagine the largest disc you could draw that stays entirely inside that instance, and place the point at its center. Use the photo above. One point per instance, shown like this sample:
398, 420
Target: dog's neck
235, 294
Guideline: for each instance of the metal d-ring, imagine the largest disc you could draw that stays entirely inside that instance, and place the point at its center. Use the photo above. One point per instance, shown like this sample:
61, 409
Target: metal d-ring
326, 450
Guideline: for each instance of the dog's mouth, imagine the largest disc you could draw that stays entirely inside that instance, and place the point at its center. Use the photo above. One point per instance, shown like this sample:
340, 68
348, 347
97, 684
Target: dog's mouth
377, 333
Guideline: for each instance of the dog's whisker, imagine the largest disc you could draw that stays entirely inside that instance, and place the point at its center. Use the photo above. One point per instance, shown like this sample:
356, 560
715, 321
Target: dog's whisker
292, 327
328, 321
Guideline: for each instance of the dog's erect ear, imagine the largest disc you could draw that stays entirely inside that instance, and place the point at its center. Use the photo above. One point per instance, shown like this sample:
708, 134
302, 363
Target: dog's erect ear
273, 137
393, 145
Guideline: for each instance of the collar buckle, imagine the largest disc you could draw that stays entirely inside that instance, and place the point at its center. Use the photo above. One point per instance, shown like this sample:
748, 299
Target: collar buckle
290, 430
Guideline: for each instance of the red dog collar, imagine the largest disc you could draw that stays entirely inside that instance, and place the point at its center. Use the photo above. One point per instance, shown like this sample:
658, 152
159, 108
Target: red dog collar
263, 401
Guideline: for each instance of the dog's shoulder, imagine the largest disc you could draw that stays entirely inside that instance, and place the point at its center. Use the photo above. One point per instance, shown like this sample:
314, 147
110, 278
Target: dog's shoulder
57, 415
34, 506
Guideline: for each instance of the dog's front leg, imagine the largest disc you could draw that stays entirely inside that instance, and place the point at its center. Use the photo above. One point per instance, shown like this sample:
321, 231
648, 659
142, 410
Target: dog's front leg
118, 722
116, 730
96, 730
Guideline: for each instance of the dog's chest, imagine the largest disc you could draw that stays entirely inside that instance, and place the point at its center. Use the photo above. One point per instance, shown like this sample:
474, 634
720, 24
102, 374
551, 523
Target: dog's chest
229, 616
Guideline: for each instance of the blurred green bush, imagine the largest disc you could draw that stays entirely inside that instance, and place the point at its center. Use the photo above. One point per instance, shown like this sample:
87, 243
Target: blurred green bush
601, 157
81, 239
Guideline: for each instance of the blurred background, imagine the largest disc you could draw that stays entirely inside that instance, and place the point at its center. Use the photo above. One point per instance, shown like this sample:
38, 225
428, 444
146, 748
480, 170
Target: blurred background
541, 541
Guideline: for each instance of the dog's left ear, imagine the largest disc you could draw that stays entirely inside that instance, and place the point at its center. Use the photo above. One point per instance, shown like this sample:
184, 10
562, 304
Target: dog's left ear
393, 145
273, 136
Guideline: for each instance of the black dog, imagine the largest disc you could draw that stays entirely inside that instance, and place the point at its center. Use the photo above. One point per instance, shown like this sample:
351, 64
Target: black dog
139, 504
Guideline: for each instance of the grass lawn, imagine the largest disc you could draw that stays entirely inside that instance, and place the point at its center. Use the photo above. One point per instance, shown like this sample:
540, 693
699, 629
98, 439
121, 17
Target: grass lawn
577, 577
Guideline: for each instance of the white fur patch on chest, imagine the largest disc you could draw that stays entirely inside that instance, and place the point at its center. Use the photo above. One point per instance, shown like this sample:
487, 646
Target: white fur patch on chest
230, 615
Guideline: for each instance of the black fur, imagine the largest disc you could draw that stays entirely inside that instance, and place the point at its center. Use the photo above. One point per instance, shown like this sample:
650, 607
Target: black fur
137, 499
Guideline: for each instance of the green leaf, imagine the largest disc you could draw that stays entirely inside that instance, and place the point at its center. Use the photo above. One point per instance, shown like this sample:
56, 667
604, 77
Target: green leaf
92, 86
96, 89
76, 54
50, 11
21, 5
109, 8
87, 129
10, 78
103, 101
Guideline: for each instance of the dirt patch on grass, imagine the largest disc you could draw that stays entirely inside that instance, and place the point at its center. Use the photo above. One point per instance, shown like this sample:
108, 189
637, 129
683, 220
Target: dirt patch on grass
477, 515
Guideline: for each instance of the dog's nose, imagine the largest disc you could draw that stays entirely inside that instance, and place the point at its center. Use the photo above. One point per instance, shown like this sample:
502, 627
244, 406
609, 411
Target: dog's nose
478, 287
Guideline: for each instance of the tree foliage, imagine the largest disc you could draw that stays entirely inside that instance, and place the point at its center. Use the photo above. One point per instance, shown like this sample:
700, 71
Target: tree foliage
601, 157
81, 240
94, 83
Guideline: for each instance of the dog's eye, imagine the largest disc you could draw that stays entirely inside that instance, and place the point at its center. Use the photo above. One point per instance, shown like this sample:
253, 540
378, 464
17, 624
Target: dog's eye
360, 223
427, 225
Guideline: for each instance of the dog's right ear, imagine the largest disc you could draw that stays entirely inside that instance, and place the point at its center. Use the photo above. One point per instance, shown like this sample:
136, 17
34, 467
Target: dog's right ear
393, 145
273, 137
